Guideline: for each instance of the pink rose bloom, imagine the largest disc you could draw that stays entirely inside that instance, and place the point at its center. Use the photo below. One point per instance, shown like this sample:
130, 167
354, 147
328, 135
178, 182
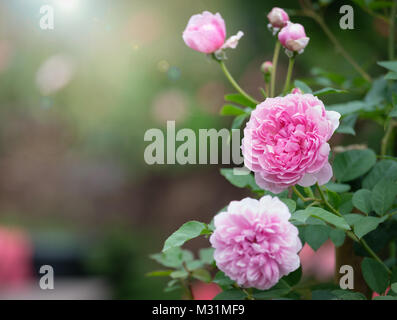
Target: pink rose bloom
293, 37
255, 244
285, 142
278, 18
205, 32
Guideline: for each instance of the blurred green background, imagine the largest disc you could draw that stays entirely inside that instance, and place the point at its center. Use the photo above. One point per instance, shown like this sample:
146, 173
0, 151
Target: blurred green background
76, 101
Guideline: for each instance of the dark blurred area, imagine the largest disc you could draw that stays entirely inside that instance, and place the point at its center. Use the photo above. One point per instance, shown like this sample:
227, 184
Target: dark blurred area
75, 102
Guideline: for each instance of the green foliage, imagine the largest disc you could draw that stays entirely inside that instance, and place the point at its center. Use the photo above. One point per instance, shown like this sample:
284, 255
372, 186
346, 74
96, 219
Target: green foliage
375, 275
231, 294
239, 99
383, 169
291, 204
240, 181
323, 215
188, 231
231, 110
383, 195
302, 86
173, 258
222, 280
352, 164
362, 200
366, 225
316, 235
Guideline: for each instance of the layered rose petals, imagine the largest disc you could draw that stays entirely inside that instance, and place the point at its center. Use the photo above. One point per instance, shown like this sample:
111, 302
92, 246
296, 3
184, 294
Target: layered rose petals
285, 142
255, 244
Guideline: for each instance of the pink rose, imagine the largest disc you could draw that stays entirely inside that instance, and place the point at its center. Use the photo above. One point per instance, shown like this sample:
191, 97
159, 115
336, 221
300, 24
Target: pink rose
293, 37
278, 18
285, 142
255, 244
205, 32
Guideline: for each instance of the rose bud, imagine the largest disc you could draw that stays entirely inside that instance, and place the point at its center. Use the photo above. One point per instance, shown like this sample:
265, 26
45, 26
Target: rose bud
267, 67
293, 37
296, 91
205, 32
278, 18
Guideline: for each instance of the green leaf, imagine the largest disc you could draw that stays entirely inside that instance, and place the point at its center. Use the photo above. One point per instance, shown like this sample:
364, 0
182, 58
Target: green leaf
240, 181
333, 198
207, 255
294, 277
366, 225
375, 275
240, 99
389, 65
383, 195
202, 275
384, 298
391, 76
337, 187
337, 236
328, 90
291, 204
353, 218
231, 110
349, 107
319, 213
346, 205
347, 125
393, 112
348, 295
383, 169
303, 86
323, 295
362, 200
316, 235
179, 274
159, 273
394, 287
173, 258
222, 280
172, 285
188, 231
238, 121
352, 164
232, 294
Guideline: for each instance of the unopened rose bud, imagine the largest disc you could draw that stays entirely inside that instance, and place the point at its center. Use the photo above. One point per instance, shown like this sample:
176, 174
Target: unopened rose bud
278, 18
205, 32
296, 90
293, 37
267, 67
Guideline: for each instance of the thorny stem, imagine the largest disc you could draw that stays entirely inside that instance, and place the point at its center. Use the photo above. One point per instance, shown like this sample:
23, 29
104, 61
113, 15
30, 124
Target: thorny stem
274, 63
235, 84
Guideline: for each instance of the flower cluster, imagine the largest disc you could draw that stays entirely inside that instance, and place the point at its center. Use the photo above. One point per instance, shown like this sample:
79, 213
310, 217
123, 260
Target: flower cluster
285, 143
292, 35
